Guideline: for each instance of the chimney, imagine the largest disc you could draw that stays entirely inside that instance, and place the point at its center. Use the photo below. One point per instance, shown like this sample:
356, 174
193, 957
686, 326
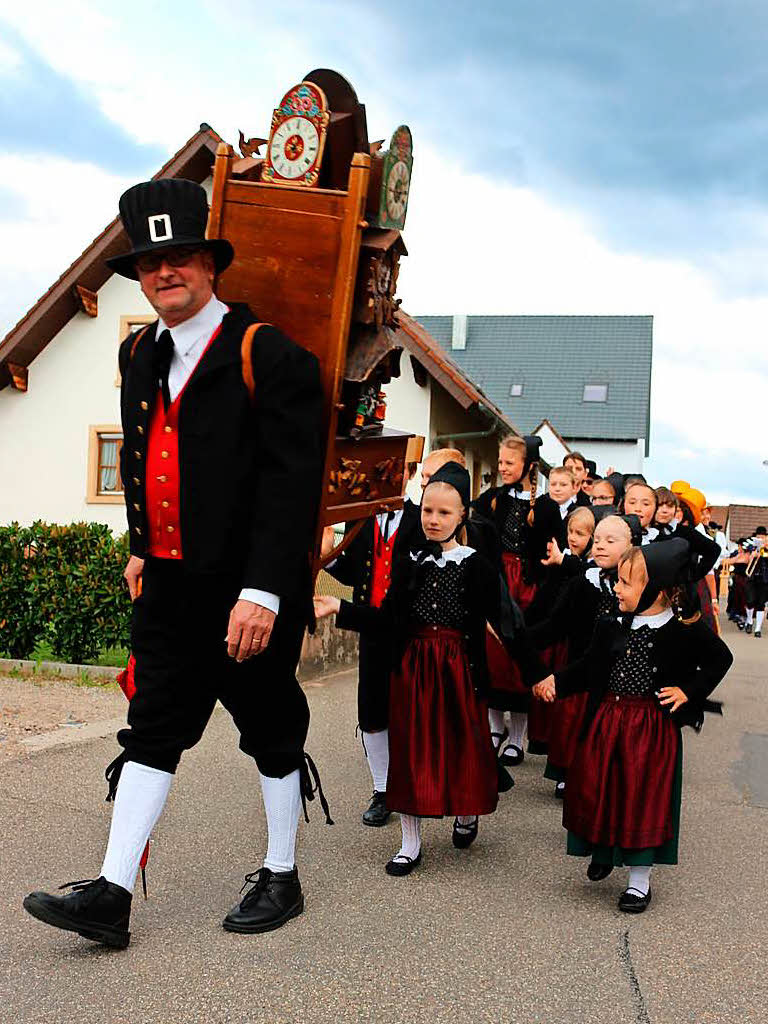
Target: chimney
459, 332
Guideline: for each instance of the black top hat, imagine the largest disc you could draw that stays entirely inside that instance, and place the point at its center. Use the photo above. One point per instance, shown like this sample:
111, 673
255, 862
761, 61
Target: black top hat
457, 477
166, 214
591, 469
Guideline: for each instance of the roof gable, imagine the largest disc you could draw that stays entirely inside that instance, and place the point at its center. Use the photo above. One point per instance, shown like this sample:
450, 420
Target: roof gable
553, 358
40, 325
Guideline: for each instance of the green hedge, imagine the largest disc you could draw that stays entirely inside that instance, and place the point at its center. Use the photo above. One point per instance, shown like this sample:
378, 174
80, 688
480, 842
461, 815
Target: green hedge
63, 584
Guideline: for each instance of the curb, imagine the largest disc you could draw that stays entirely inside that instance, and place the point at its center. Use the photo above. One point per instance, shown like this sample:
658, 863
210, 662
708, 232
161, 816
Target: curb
59, 669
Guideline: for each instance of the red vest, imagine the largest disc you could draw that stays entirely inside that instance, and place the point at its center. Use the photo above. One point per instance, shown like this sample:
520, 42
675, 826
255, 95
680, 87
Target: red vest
382, 565
163, 487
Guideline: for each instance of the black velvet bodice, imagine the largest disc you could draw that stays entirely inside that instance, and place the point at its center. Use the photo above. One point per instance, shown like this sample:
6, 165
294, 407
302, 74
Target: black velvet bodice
440, 599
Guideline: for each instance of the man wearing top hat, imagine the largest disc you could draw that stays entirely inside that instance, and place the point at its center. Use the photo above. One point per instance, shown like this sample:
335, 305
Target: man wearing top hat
221, 487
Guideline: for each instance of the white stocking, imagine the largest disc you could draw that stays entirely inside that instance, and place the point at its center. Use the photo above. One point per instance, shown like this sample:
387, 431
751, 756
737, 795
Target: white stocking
496, 722
518, 720
282, 805
759, 616
750, 615
141, 796
640, 879
411, 827
376, 746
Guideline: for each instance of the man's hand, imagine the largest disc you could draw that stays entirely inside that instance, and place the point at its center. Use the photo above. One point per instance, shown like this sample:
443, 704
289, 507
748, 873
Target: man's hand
326, 605
554, 554
545, 690
132, 575
249, 630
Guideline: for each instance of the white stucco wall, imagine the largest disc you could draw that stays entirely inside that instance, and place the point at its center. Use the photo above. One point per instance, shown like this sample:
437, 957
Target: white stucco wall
408, 408
44, 452
624, 456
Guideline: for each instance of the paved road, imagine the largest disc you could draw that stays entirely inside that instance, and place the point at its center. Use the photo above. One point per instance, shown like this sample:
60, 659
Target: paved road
509, 932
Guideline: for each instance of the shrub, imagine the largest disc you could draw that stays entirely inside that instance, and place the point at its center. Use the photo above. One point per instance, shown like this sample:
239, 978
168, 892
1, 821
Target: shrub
63, 582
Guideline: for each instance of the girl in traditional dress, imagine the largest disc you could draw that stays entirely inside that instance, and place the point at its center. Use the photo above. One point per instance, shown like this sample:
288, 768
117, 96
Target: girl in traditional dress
640, 500
647, 676
435, 616
582, 602
524, 526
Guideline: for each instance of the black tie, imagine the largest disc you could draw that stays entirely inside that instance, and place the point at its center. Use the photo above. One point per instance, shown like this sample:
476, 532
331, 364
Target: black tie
390, 520
162, 364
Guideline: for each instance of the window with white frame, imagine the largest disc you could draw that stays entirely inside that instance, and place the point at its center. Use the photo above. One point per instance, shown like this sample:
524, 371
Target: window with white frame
105, 485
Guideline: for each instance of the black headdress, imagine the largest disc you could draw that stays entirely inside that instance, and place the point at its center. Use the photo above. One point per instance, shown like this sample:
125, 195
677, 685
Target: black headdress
533, 445
667, 565
457, 477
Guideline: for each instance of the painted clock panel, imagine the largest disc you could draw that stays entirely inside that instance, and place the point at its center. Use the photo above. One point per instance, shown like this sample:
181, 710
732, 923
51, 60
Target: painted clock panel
396, 180
297, 137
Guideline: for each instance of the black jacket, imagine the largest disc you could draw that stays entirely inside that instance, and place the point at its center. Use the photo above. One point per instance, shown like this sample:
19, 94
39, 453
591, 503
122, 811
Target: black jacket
250, 471
571, 617
691, 657
488, 602
493, 505
354, 566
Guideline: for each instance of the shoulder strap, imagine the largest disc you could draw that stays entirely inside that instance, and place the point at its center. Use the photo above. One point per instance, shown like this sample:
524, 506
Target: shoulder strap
137, 339
246, 349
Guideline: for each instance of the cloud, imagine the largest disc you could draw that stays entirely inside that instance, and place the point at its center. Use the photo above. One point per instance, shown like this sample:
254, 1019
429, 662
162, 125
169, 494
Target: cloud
43, 112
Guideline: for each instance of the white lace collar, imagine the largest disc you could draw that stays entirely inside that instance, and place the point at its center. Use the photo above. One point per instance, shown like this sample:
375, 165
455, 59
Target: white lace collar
457, 554
653, 621
593, 575
650, 533
522, 495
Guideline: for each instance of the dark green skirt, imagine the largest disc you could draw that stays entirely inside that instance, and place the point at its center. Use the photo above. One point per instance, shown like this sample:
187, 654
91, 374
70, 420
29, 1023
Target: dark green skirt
554, 772
617, 856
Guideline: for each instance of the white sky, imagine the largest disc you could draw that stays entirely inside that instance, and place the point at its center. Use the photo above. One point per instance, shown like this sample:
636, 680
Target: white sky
476, 245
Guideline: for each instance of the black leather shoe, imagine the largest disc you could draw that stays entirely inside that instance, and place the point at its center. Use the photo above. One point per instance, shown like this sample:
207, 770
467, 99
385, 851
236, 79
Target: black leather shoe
757, 634
504, 781
96, 909
464, 835
631, 902
748, 628
403, 865
274, 898
377, 813
560, 791
512, 755
597, 872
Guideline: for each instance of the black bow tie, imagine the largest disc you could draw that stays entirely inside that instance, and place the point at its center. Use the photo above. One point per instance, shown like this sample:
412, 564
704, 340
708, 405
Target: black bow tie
161, 365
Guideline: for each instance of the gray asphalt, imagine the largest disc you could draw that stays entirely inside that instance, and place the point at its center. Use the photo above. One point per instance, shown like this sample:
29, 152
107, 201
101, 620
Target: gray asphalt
509, 932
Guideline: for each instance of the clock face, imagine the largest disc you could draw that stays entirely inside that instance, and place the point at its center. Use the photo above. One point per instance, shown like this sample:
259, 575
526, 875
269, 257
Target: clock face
398, 184
294, 148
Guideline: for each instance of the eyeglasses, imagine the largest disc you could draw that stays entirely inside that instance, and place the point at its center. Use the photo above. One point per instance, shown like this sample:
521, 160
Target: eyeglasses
152, 261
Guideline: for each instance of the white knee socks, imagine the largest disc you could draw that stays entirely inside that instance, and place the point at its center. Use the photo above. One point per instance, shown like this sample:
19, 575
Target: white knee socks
411, 827
759, 616
640, 879
518, 720
141, 796
750, 615
496, 722
376, 746
282, 805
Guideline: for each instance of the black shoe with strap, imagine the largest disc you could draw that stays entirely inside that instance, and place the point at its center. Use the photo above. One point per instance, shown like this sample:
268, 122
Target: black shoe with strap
464, 835
402, 865
274, 898
377, 814
512, 755
597, 872
96, 909
633, 902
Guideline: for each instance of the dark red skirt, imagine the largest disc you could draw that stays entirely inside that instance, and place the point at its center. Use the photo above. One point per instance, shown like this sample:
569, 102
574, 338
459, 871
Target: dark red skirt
441, 758
541, 715
705, 598
507, 688
567, 720
621, 780
737, 598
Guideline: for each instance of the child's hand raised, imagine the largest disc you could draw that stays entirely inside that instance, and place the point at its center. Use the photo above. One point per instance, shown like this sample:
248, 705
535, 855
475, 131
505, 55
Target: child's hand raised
326, 605
672, 697
554, 554
545, 690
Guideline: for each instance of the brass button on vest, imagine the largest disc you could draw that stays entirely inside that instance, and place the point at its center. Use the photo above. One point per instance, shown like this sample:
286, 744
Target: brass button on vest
144, 406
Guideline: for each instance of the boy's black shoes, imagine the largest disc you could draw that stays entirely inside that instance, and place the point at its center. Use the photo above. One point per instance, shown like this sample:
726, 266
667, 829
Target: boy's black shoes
96, 909
274, 898
748, 628
377, 813
631, 902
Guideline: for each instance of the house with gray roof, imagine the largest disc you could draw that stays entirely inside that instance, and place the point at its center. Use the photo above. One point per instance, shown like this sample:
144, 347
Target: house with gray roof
590, 375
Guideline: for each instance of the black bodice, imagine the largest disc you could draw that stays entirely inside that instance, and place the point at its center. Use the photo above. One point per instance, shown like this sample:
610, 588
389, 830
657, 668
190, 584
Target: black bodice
440, 598
608, 603
634, 674
515, 522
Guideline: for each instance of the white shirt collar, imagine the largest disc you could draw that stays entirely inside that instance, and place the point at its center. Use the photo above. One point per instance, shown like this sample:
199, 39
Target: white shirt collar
653, 621
202, 325
564, 508
457, 554
522, 495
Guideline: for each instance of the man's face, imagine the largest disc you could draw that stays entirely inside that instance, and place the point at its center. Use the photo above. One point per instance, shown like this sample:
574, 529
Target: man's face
177, 282
706, 516
587, 484
578, 469
602, 494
